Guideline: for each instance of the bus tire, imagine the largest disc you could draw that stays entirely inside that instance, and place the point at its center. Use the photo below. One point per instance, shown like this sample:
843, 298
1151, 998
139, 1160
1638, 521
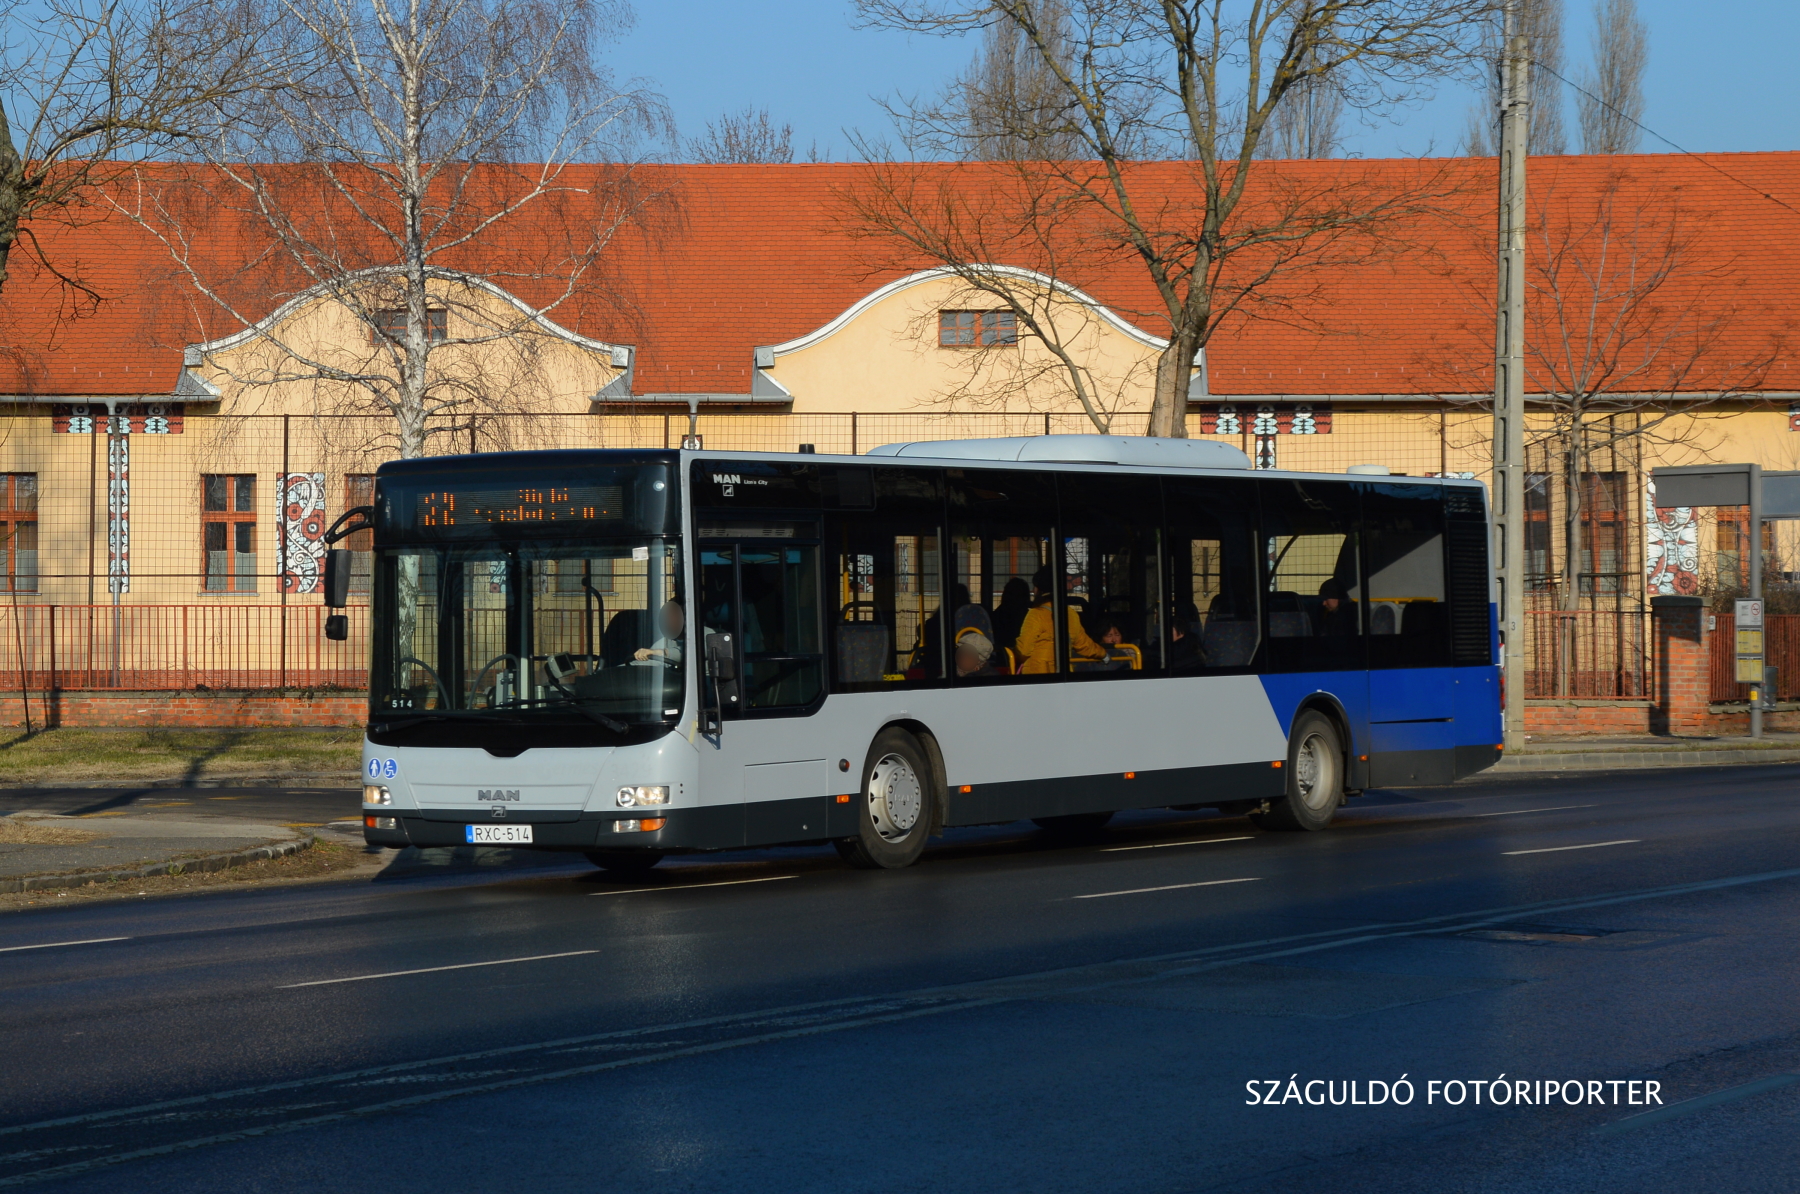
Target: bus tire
1315, 777
1073, 824
897, 798
624, 862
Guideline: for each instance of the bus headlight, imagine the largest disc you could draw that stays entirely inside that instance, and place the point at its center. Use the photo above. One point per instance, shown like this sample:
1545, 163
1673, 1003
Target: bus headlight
376, 794
642, 794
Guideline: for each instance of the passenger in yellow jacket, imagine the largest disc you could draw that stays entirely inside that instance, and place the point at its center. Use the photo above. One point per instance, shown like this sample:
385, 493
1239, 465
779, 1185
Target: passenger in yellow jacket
1036, 645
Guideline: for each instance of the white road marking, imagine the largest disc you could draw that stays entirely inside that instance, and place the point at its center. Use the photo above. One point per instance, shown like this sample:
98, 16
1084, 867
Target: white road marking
1701, 1103
1627, 841
326, 982
1206, 958
1206, 841
1095, 895
58, 944
685, 886
1516, 811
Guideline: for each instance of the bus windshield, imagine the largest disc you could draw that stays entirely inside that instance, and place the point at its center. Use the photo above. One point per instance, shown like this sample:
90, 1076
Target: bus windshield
534, 631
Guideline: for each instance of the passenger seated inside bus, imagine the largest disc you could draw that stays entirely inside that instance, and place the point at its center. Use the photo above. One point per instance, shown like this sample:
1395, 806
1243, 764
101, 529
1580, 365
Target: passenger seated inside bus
966, 615
1336, 614
1108, 631
973, 652
1186, 651
666, 649
1009, 615
1036, 644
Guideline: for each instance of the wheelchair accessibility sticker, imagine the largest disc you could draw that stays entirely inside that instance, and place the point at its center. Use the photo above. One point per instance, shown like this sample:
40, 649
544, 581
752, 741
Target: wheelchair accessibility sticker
383, 768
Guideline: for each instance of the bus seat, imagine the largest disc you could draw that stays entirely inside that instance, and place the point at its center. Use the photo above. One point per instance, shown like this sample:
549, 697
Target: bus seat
1287, 619
1422, 621
1130, 653
1228, 642
864, 651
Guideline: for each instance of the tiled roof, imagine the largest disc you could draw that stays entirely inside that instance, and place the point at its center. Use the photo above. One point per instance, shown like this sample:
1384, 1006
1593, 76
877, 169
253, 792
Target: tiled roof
744, 256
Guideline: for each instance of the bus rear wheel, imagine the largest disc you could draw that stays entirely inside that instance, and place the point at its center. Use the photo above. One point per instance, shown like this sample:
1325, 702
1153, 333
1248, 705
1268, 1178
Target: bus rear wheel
624, 862
897, 800
1315, 777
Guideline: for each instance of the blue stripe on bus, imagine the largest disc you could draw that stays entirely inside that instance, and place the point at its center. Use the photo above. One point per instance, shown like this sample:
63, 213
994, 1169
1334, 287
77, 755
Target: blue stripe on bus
1349, 689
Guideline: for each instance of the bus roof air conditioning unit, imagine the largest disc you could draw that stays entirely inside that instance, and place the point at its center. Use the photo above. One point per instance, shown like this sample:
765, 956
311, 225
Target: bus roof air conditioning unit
1140, 450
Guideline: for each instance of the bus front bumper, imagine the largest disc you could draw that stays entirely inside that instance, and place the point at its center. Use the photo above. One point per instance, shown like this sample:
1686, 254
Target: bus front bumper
717, 828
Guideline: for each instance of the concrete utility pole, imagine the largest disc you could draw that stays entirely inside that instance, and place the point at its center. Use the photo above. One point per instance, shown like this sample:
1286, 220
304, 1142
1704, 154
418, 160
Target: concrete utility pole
1509, 373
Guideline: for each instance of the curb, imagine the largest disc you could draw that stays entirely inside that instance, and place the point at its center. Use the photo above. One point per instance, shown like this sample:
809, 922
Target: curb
181, 866
1623, 760
326, 779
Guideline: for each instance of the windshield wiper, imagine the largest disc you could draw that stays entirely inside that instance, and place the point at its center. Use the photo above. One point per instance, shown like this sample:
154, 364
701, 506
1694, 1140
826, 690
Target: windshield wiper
594, 715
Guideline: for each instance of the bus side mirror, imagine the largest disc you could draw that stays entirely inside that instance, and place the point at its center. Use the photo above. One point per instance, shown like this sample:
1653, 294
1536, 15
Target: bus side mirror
337, 580
337, 627
721, 660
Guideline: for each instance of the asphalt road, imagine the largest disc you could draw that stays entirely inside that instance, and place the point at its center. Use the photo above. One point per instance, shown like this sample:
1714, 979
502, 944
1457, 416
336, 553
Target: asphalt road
1011, 1014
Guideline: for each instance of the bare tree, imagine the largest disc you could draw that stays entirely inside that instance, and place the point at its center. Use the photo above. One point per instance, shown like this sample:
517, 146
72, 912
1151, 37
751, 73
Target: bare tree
1634, 324
1201, 80
1013, 105
747, 137
1306, 123
1002, 232
1543, 26
86, 85
1615, 101
425, 174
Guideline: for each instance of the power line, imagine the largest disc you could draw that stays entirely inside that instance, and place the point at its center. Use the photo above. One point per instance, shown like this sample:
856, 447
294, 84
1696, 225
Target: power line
1678, 149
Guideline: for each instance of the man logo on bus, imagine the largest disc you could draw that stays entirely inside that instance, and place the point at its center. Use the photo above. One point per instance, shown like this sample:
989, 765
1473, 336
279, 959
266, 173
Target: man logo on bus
497, 794
727, 483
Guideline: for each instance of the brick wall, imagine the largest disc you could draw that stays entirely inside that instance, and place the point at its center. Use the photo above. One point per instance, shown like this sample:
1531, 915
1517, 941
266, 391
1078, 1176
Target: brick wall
1588, 717
215, 709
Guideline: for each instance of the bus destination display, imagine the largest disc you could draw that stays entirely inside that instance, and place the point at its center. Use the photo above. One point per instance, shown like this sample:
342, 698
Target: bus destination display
445, 509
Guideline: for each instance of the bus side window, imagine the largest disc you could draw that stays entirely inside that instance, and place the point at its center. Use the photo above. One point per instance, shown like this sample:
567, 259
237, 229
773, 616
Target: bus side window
886, 597
1213, 619
1313, 586
783, 662
1403, 528
1110, 527
1001, 531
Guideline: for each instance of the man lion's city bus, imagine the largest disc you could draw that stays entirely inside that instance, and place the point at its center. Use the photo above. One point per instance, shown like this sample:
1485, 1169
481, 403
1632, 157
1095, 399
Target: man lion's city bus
636, 653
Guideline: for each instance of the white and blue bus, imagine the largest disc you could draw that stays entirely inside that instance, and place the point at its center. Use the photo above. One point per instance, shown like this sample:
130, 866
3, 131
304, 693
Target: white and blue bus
636, 653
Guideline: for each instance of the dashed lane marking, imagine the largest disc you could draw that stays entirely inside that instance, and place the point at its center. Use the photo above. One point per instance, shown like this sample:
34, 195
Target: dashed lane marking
686, 886
358, 978
1206, 841
1095, 895
1514, 812
1624, 841
756, 1027
13, 949
1730, 1094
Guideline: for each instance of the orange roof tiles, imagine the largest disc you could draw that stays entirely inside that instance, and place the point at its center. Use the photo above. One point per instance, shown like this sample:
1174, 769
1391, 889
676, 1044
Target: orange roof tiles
757, 255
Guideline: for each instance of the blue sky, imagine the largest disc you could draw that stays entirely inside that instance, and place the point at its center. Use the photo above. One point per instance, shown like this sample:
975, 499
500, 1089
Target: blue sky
1721, 72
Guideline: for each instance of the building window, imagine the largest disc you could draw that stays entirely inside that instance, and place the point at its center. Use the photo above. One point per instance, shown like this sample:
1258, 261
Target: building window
977, 329
359, 490
18, 532
390, 325
228, 522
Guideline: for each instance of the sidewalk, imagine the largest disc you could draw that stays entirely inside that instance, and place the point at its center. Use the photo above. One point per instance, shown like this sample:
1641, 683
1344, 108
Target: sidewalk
1545, 754
42, 851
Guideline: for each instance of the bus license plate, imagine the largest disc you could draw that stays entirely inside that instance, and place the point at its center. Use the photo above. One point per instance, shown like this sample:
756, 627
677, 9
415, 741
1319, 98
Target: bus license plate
497, 835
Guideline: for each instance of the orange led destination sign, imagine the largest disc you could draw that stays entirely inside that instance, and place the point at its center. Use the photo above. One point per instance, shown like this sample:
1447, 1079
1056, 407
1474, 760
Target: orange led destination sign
526, 504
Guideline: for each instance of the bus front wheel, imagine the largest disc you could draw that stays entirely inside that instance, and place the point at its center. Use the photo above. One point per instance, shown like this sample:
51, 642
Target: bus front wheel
1315, 776
897, 799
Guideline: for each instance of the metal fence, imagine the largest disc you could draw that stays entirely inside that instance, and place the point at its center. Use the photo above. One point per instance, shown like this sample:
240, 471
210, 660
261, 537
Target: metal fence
1781, 651
1597, 654
46, 648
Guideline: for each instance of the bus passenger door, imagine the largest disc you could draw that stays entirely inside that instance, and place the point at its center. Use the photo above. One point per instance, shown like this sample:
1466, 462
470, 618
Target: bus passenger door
760, 611
1412, 703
